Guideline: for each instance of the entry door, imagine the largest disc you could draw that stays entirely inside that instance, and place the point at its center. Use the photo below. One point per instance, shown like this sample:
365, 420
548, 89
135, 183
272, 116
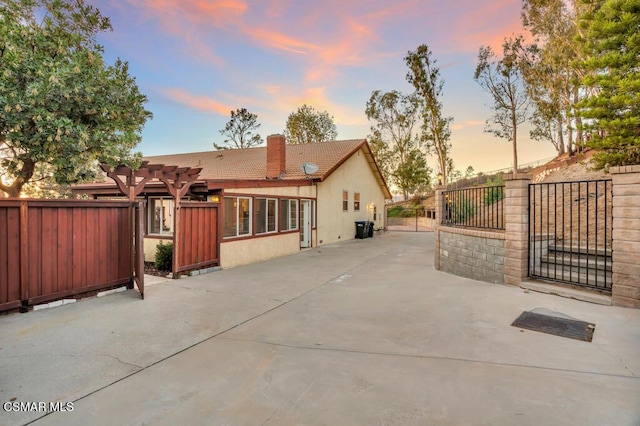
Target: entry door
305, 224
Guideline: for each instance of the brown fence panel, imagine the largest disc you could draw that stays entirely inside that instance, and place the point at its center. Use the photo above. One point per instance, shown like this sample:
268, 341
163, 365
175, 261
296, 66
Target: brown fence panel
10, 255
50, 249
198, 236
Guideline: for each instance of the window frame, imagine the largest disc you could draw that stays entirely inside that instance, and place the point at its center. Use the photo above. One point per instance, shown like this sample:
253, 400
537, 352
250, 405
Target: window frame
266, 216
313, 214
151, 211
345, 201
237, 216
286, 215
356, 201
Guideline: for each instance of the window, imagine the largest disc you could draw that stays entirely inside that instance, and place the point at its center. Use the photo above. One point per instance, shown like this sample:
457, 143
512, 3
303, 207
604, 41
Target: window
237, 216
375, 213
160, 220
345, 201
266, 213
356, 201
313, 213
288, 215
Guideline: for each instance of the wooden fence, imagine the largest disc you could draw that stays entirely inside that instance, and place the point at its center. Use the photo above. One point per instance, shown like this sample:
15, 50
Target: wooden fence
198, 238
52, 249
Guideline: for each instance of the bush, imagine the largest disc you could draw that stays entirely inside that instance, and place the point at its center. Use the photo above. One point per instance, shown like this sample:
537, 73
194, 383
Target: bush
462, 210
164, 257
491, 195
395, 211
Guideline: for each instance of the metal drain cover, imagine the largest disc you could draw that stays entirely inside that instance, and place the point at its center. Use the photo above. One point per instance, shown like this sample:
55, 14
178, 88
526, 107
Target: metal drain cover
563, 327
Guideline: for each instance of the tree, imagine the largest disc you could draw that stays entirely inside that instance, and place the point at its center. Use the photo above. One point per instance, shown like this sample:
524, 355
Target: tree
550, 72
502, 79
309, 126
611, 43
412, 174
424, 75
239, 131
382, 154
469, 172
396, 146
60, 104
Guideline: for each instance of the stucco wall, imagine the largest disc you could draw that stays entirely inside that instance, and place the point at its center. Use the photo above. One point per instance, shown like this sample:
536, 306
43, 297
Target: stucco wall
243, 252
286, 191
478, 255
354, 175
150, 247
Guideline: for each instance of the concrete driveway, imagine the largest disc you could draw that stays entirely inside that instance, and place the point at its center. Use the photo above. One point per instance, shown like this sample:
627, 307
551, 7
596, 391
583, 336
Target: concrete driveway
363, 332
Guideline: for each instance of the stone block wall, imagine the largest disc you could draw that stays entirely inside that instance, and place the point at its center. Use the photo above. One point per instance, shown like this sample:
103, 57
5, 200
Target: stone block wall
478, 255
484, 255
626, 236
516, 201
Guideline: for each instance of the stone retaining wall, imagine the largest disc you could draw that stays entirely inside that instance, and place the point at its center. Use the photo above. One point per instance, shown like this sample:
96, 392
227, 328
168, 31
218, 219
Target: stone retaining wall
478, 255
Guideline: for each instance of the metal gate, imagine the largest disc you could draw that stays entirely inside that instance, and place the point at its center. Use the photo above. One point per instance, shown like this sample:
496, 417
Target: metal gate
570, 233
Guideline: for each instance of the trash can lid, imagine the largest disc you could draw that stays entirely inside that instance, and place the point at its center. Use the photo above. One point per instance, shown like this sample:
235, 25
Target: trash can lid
361, 222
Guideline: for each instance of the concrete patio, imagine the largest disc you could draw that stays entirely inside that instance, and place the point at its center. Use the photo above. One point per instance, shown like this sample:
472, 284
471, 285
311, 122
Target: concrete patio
362, 332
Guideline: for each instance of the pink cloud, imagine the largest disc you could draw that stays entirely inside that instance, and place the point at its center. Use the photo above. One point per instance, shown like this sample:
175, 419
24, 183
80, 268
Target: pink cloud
216, 12
487, 24
197, 102
466, 124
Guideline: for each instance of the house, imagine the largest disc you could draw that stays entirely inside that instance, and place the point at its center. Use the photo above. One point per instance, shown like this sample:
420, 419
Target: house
274, 200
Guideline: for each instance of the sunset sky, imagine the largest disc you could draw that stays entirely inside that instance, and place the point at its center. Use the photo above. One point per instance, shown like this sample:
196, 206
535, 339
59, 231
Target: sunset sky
197, 60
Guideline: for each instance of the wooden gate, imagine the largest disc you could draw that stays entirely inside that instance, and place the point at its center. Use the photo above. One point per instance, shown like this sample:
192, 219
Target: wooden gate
198, 242
52, 249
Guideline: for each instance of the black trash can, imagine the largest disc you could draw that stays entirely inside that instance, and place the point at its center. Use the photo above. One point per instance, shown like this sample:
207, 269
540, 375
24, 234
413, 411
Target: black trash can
370, 233
361, 229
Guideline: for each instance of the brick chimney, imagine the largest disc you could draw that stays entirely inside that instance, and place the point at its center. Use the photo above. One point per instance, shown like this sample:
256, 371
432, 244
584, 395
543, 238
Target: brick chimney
276, 156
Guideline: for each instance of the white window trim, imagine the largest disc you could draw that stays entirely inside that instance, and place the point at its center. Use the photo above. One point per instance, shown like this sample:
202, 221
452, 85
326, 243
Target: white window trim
237, 212
266, 217
297, 210
150, 219
313, 214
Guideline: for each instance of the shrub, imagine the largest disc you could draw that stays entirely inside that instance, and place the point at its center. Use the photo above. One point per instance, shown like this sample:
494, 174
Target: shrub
164, 257
491, 195
462, 210
395, 211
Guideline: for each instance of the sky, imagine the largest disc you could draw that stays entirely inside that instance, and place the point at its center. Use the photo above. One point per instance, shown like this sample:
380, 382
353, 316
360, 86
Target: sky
197, 60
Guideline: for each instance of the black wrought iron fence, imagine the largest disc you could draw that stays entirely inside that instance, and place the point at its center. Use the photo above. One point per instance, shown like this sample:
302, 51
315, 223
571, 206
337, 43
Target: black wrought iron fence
570, 228
481, 207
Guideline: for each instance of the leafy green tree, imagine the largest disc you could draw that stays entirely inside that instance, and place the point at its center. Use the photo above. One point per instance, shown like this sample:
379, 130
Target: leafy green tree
502, 79
382, 154
412, 175
60, 104
612, 45
550, 72
424, 75
240, 131
307, 125
396, 146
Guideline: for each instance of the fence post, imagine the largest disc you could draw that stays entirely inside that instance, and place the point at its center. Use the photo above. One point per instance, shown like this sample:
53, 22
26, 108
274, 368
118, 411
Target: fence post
626, 236
516, 228
436, 225
24, 255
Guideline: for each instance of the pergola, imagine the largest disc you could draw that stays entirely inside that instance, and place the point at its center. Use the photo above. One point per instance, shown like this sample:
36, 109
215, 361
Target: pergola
177, 180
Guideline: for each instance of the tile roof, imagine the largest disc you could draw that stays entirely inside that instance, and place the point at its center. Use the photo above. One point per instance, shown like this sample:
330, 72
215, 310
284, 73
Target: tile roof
251, 163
